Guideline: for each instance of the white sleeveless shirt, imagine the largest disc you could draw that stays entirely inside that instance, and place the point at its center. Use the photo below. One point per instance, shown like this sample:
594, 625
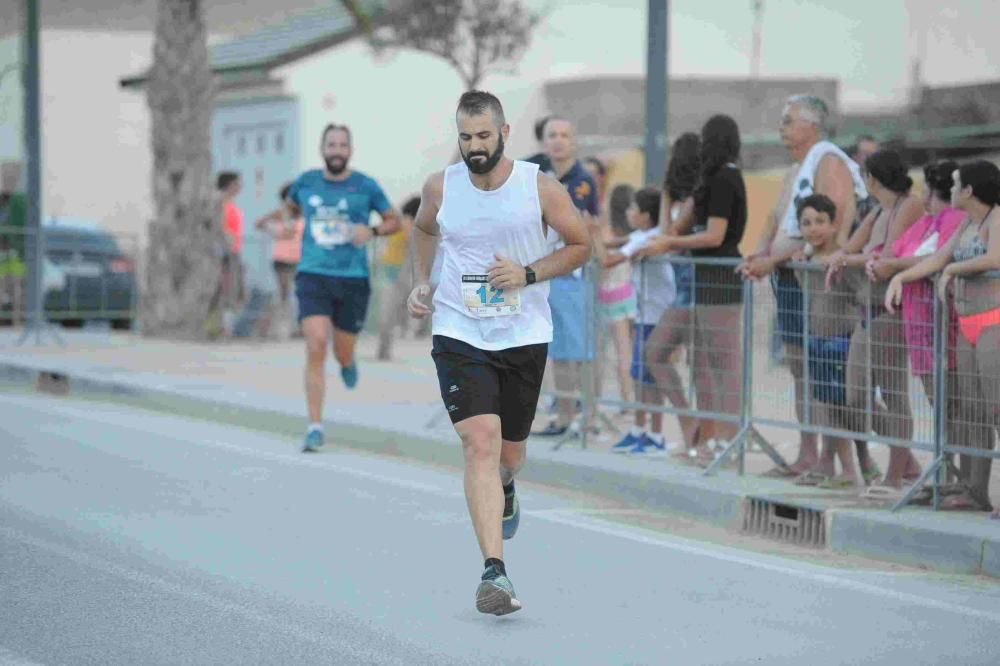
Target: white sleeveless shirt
475, 225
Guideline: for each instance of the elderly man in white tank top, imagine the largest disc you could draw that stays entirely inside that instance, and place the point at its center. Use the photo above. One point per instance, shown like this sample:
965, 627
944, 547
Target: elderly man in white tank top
491, 321
820, 168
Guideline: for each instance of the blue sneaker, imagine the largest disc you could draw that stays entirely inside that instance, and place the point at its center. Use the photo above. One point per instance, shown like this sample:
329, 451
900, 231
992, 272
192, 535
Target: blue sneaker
349, 373
495, 594
647, 446
626, 444
313, 441
511, 515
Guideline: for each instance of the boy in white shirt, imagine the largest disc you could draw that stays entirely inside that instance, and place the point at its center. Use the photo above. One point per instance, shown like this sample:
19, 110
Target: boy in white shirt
655, 287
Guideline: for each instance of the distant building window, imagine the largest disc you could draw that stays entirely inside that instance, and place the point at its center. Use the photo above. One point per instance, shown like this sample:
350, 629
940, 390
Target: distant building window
279, 142
261, 144
241, 145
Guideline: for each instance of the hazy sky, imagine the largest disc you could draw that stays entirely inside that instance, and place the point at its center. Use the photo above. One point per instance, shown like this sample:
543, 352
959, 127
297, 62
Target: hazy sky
868, 44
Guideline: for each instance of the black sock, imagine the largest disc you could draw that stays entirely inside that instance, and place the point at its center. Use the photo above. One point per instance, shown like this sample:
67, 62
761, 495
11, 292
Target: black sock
496, 564
509, 488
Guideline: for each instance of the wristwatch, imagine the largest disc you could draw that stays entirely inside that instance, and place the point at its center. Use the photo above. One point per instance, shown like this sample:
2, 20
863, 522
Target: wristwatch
529, 275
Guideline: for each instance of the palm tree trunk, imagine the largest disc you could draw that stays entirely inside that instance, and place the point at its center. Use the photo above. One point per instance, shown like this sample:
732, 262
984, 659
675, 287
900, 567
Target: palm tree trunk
185, 236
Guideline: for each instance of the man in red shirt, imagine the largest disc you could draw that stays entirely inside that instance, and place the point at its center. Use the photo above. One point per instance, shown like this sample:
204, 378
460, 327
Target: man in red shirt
229, 184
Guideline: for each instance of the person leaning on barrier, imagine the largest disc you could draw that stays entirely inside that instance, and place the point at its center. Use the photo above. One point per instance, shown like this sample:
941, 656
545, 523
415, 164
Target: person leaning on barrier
920, 240
653, 280
878, 386
832, 316
970, 262
822, 168
675, 328
616, 295
720, 214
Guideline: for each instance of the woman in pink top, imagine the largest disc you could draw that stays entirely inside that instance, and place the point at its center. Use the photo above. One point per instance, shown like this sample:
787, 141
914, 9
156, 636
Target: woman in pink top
920, 240
286, 227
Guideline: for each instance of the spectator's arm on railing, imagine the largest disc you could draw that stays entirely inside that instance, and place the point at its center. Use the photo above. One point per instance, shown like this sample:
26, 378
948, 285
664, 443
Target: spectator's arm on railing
927, 267
605, 256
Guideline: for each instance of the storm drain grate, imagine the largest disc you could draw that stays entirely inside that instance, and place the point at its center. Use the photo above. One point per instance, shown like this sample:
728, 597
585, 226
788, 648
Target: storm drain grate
784, 522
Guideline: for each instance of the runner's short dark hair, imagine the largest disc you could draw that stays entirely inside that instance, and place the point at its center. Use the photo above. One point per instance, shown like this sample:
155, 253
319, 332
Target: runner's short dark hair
477, 102
819, 203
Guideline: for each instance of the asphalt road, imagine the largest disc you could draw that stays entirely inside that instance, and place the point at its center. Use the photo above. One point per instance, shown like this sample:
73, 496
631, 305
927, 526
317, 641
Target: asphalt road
132, 537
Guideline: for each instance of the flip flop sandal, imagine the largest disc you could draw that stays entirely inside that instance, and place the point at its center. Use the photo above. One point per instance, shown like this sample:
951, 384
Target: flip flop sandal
836, 483
962, 502
779, 473
810, 479
882, 493
872, 475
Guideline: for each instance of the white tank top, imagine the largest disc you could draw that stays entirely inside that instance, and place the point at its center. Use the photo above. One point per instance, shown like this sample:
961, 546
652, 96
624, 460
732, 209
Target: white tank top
476, 225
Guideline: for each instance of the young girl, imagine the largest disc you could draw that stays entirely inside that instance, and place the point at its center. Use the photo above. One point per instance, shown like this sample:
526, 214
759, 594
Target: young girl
286, 227
615, 294
653, 281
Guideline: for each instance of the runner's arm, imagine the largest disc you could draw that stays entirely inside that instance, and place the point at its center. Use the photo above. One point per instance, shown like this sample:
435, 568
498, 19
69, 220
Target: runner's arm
559, 213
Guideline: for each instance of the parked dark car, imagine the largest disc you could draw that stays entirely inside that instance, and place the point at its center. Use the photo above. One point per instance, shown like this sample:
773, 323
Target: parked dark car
94, 276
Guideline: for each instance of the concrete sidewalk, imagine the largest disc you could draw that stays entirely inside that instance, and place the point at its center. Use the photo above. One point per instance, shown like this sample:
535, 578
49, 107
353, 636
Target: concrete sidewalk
396, 410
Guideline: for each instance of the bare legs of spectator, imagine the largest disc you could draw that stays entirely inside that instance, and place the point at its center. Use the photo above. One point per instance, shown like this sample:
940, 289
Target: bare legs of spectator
672, 331
979, 412
888, 372
719, 333
284, 275
621, 338
808, 441
392, 313
568, 377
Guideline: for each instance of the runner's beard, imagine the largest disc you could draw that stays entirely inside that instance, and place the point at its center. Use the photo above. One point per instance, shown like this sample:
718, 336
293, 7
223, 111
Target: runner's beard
487, 165
336, 165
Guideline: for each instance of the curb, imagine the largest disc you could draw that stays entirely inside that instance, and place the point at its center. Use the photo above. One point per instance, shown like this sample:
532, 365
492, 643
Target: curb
916, 537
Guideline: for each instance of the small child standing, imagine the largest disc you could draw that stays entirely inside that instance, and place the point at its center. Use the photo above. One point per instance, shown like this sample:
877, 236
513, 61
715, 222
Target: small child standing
832, 316
615, 293
653, 281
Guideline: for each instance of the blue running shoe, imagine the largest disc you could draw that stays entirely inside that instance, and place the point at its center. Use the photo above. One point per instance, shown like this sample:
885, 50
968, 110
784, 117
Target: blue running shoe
647, 446
626, 444
313, 441
349, 373
495, 594
511, 515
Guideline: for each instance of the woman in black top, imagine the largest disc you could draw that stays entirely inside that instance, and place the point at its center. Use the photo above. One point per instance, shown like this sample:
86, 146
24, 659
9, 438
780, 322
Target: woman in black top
720, 217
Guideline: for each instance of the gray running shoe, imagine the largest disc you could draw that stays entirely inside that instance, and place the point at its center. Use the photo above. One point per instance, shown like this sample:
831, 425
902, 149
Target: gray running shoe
495, 594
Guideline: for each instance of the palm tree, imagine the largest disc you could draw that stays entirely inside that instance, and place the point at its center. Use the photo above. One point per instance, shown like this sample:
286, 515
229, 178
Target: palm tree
185, 238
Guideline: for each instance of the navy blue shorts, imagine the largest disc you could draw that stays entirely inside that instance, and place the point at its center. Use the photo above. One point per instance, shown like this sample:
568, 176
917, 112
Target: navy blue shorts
344, 300
828, 368
640, 336
788, 295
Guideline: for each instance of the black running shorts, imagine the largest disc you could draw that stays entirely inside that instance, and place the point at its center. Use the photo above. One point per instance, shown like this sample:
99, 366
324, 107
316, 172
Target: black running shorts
505, 382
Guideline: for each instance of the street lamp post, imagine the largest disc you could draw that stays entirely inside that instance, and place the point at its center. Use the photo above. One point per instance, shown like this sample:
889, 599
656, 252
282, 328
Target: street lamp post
655, 145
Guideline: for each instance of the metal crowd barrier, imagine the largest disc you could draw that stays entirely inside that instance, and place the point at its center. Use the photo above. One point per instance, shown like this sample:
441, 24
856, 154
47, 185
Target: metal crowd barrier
87, 274
857, 364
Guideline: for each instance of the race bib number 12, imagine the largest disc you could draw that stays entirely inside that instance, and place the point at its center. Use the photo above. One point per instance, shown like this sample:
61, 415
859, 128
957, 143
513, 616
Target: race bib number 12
483, 300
